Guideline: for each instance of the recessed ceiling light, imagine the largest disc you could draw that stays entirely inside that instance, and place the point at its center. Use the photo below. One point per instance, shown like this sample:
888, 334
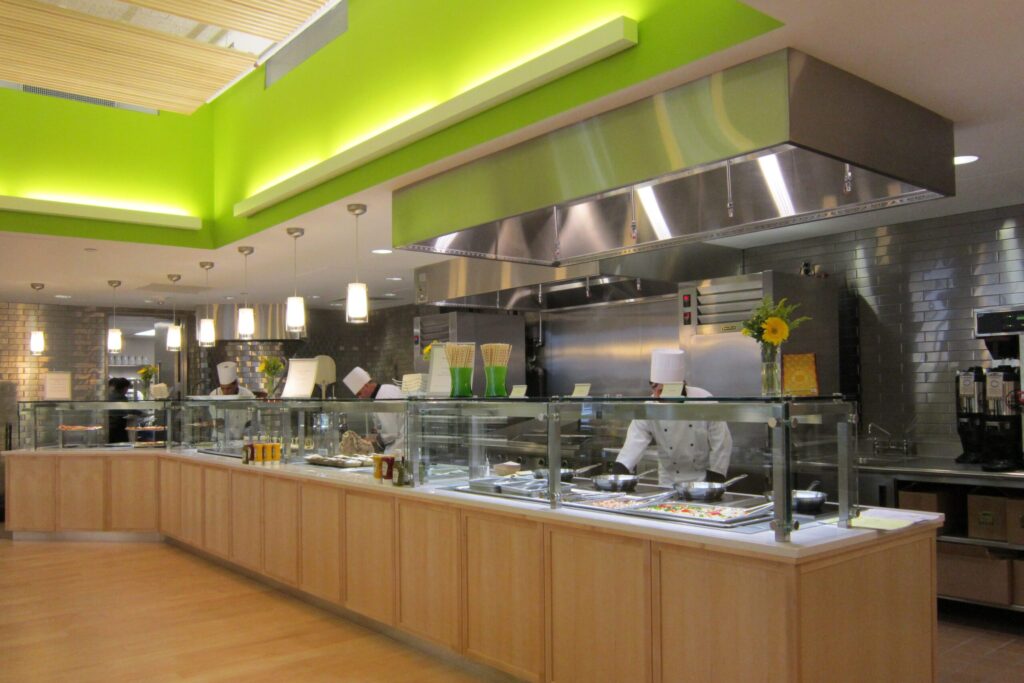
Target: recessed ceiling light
337, 304
61, 296
314, 296
90, 249
147, 301
389, 294
229, 298
146, 333
393, 278
964, 159
381, 252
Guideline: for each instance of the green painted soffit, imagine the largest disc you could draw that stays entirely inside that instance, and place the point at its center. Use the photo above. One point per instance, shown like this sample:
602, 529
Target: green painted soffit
73, 151
397, 56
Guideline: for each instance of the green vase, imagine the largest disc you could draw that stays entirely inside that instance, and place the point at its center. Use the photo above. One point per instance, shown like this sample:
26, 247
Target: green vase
462, 382
496, 375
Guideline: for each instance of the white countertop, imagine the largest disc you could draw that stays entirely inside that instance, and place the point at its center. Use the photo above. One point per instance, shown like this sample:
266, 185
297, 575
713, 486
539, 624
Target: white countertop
810, 542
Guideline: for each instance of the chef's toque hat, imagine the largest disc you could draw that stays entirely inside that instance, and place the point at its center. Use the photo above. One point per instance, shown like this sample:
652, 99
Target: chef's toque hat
356, 379
668, 366
227, 372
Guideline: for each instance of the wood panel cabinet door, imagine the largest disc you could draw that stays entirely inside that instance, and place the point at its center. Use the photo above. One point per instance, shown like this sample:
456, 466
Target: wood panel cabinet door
757, 597
429, 589
192, 504
321, 541
81, 493
133, 494
370, 556
31, 497
505, 594
600, 594
281, 529
247, 520
170, 498
217, 511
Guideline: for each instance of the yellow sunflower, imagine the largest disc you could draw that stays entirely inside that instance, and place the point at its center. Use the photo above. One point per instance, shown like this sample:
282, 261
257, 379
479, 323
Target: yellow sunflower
776, 330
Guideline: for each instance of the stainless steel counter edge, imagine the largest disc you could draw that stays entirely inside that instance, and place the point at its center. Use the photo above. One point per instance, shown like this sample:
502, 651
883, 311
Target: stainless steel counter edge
806, 544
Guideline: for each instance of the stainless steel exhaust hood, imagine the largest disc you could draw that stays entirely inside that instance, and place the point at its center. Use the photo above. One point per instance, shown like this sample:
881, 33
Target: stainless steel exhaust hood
780, 140
475, 283
270, 322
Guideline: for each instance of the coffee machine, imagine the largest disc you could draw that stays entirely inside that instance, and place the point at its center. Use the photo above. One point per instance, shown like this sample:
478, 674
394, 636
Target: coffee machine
1002, 328
970, 414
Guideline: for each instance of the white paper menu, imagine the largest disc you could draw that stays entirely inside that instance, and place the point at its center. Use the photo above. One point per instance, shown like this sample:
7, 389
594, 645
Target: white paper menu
57, 386
581, 390
301, 378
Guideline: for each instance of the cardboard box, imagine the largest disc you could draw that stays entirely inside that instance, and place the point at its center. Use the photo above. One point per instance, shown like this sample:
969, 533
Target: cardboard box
973, 572
929, 498
1015, 520
1018, 582
986, 516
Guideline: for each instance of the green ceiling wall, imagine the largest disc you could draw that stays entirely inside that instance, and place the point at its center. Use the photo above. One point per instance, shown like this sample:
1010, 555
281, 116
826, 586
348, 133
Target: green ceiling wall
397, 56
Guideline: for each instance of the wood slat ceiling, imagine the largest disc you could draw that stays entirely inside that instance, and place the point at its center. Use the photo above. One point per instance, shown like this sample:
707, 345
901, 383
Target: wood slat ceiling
274, 19
49, 47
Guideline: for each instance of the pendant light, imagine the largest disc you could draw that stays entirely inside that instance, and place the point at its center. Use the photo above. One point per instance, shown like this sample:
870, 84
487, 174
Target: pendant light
114, 344
357, 304
207, 330
245, 327
295, 312
174, 329
36, 339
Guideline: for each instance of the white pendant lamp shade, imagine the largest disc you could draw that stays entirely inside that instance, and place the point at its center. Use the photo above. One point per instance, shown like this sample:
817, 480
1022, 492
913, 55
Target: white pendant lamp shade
357, 301
295, 314
114, 343
246, 322
207, 333
37, 340
295, 311
37, 343
357, 305
174, 337
114, 340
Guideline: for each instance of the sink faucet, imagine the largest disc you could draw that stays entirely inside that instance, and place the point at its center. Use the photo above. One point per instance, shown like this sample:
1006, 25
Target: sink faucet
879, 446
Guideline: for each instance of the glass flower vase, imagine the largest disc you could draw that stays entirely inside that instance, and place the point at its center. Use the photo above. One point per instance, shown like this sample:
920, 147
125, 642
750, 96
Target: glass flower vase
771, 370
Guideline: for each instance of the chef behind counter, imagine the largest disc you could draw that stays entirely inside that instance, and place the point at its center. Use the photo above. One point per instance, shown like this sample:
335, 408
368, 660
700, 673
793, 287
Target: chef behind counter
688, 450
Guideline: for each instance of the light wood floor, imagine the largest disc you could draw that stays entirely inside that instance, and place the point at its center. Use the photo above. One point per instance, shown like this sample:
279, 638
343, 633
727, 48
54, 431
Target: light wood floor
150, 612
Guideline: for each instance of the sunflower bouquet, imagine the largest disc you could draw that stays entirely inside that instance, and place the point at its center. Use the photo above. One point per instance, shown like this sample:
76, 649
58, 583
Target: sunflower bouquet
271, 367
770, 324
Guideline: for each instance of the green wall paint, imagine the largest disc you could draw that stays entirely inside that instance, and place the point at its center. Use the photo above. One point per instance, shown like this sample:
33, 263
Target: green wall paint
397, 57
61, 149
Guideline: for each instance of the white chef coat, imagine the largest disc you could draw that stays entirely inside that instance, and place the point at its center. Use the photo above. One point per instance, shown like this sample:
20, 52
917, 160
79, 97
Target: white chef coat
687, 449
235, 420
390, 426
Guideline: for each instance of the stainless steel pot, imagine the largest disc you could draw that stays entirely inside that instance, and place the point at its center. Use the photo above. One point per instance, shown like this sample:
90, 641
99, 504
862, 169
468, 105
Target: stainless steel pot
809, 502
618, 482
705, 491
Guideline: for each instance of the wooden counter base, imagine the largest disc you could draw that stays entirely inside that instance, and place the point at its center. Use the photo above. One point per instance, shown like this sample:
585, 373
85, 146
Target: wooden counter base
539, 598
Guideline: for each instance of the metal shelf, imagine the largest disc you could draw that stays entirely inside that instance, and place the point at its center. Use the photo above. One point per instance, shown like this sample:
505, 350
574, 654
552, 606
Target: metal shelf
1002, 545
1011, 608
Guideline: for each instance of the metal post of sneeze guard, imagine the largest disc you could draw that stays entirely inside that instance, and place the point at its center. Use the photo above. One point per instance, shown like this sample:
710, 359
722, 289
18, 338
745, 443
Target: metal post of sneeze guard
554, 456
302, 434
782, 521
169, 416
847, 473
412, 439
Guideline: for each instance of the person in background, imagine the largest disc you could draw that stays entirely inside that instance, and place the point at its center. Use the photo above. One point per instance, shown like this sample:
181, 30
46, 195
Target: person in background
235, 421
688, 450
117, 420
389, 428
227, 377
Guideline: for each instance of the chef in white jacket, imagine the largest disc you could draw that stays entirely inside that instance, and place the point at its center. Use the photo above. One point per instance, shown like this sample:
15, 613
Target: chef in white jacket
390, 427
235, 421
688, 450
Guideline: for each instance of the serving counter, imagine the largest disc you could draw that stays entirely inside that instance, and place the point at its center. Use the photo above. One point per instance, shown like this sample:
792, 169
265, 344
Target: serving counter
543, 594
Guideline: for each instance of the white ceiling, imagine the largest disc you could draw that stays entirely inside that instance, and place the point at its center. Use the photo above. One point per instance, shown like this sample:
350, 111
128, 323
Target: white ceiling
962, 60
326, 258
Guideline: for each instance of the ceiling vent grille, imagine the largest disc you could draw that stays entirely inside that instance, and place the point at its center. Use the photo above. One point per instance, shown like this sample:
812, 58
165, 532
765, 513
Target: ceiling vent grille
35, 90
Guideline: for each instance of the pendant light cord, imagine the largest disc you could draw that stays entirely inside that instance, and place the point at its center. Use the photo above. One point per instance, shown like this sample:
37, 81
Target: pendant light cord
245, 280
357, 248
295, 266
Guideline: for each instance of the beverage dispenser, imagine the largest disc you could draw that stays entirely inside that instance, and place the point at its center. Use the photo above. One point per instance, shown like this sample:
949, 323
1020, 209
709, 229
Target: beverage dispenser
1002, 328
970, 413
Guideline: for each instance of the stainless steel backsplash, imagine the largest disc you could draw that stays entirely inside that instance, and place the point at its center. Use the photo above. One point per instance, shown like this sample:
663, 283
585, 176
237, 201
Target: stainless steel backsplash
914, 286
